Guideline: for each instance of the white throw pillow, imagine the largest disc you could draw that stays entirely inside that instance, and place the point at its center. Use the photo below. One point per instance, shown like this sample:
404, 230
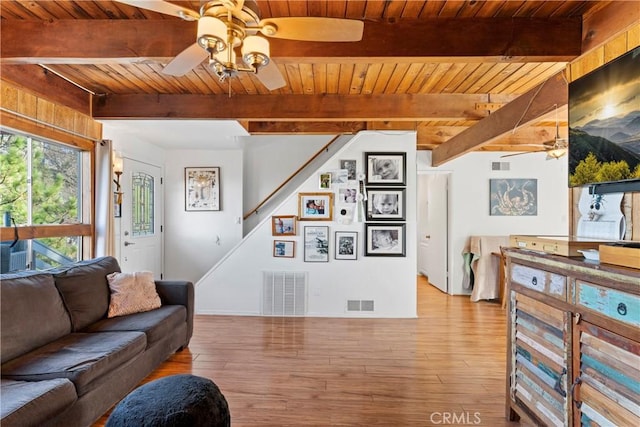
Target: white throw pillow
132, 293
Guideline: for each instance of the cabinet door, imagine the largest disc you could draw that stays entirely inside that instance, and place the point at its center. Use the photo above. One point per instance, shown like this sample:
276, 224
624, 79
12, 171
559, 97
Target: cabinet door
539, 360
606, 391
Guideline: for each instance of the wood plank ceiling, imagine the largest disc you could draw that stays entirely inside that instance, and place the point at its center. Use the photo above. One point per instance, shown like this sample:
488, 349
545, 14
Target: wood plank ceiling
439, 67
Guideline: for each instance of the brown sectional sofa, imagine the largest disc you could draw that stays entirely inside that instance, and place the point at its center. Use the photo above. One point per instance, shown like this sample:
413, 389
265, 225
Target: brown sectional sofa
64, 363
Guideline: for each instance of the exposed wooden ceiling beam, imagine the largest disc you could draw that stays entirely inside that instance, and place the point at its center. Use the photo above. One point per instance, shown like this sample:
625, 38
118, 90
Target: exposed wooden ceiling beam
402, 107
522, 111
499, 39
47, 85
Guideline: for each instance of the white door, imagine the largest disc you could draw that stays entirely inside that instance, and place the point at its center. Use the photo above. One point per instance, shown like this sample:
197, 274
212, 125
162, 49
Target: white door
433, 213
141, 222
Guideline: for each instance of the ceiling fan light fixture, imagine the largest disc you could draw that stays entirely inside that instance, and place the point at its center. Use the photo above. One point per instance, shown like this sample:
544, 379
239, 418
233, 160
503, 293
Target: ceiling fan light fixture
224, 64
212, 34
556, 153
255, 52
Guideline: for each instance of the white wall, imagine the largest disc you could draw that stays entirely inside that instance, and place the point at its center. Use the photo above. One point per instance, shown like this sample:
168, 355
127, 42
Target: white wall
235, 285
194, 241
469, 200
269, 160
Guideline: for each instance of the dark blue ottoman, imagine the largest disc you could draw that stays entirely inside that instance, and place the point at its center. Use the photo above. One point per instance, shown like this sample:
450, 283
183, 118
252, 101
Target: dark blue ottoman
173, 401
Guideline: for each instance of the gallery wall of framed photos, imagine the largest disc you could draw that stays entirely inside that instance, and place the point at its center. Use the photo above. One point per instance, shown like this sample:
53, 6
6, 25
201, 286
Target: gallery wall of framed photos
370, 200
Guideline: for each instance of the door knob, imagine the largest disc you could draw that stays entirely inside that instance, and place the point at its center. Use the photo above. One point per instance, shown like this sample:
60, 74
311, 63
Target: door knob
427, 236
128, 243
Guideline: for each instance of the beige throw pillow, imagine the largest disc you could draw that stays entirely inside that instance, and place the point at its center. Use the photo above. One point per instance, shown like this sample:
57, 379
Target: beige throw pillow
132, 293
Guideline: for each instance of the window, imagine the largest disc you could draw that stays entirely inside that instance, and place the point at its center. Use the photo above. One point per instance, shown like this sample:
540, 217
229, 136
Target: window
41, 198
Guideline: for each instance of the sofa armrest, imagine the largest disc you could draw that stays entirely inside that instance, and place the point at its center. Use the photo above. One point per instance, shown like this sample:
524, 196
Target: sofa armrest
178, 292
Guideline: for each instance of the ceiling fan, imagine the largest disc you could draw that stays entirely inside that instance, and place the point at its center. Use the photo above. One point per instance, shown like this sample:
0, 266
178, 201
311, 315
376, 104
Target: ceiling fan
554, 148
224, 25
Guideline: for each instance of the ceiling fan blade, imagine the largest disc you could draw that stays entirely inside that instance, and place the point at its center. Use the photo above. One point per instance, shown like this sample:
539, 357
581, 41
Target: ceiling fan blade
164, 7
186, 60
524, 152
270, 76
308, 28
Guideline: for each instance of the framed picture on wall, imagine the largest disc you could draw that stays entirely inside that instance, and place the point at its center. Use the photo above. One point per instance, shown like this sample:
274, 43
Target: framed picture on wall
346, 245
386, 168
316, 244
513, 197
384, 239
315, 206
385, 204
283, 225
202, 188
284, 248
350, 166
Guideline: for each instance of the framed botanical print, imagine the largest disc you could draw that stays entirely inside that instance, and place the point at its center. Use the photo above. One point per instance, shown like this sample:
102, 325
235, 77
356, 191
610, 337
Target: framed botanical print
346, 245
315, 206
283, 225
385, 239
386, 168
385, 203
202, 188
316, 244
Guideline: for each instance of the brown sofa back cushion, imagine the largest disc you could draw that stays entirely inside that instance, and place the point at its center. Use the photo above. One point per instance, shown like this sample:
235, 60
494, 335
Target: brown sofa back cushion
33, 313
85, 290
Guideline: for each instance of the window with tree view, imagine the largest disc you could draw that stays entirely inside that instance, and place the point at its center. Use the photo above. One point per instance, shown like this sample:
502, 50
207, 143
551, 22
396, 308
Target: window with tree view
40, 186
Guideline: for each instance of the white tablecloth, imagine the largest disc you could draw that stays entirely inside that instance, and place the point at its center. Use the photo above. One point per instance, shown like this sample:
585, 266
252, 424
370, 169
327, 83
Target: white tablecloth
478, 251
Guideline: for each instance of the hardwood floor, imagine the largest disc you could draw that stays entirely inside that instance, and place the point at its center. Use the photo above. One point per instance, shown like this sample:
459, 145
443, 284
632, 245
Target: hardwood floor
447, 367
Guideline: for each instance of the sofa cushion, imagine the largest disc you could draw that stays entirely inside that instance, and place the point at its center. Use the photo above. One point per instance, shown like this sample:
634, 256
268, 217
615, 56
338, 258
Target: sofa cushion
156, 324
33, 403
85, 290
80, 357
33, 313
132, 293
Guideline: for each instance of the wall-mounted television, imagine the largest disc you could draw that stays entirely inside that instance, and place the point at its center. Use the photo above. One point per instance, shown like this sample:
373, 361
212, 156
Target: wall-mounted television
604, 127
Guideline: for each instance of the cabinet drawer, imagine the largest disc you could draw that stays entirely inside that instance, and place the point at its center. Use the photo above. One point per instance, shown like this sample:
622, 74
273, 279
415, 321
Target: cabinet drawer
542, 281
611, 303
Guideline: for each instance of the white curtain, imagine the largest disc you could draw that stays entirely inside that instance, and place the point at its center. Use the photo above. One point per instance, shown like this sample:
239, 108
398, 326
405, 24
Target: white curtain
105, 237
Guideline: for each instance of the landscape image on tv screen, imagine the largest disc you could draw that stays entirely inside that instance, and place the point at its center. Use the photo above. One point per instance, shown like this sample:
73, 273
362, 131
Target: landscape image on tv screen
604, 123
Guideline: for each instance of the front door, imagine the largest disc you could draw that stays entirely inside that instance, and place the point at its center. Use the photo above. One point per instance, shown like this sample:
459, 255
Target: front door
433, 235
140, 230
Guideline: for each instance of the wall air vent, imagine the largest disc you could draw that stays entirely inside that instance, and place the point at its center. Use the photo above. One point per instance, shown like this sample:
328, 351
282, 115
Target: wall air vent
500, 166
360, 305
284, 293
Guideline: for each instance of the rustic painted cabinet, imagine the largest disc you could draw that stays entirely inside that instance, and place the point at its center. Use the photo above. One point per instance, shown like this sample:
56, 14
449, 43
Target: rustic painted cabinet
573, 350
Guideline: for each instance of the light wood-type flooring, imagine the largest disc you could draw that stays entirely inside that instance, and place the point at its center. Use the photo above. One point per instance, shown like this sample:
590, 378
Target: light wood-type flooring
446, 367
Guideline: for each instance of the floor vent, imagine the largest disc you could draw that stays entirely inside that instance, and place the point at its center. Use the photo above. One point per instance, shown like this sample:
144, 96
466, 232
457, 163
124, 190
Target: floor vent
360, 305
284, 293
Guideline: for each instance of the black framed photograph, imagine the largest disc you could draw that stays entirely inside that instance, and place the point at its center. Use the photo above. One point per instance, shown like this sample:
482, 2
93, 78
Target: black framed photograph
283, 225
316, 244
385, 204
346, 245
386, 168
284, 248
315, 206
382, 239
202, 188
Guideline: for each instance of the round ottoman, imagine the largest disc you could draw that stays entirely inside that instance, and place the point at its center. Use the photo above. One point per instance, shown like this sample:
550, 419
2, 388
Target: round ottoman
173, 401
